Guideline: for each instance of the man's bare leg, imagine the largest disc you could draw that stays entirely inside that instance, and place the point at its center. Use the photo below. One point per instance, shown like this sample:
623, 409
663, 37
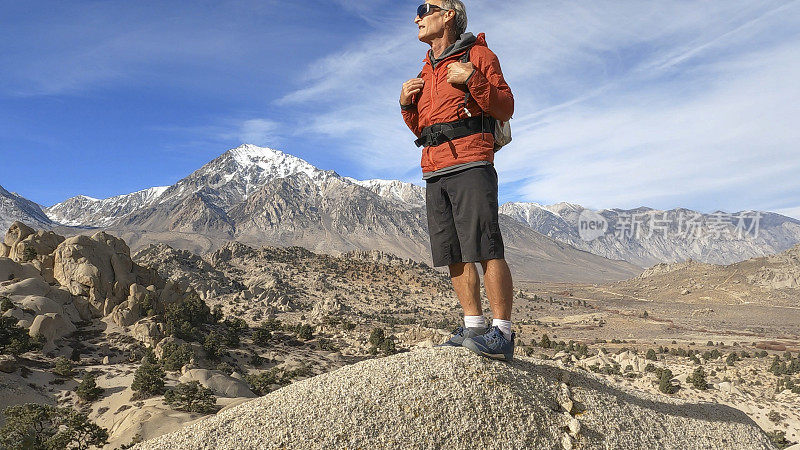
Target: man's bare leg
467, 284
499, 287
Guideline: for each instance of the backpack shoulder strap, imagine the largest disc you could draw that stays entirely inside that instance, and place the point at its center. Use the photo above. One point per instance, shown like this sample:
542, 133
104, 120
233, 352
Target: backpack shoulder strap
465, 57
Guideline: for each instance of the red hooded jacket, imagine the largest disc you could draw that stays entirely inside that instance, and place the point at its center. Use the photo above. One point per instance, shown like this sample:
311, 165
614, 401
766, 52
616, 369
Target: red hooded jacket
440, 101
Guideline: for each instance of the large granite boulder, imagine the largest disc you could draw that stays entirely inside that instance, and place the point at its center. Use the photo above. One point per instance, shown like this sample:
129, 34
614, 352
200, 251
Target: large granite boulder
38, 249
10, 270
16, 233
148, 331
30, 286
220, 384
52, 326
97, 267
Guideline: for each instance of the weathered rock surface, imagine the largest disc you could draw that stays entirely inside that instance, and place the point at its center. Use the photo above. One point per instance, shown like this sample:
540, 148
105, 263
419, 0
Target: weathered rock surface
97, 267
10, 269
53, 326
222, 385
419, 399
16, 233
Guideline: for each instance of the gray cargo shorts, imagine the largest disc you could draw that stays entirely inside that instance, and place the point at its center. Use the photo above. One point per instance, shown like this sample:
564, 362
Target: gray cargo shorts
462, 216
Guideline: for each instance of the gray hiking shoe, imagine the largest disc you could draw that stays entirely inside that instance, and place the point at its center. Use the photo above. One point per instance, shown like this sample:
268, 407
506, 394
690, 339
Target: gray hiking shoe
493, 344
461, 333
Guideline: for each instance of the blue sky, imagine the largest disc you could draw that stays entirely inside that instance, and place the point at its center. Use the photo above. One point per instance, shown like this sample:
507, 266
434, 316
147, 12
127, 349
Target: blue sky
618, 104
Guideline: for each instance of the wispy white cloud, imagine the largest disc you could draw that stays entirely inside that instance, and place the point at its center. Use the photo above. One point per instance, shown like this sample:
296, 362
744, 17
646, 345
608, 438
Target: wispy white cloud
617, 105
228, 132
263, 132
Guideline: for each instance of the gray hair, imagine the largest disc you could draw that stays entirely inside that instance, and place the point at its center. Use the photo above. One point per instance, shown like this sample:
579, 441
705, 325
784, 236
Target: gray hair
461, 15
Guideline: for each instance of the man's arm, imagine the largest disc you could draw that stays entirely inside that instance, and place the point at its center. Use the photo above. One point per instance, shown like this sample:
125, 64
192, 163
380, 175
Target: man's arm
487, 85
411, 89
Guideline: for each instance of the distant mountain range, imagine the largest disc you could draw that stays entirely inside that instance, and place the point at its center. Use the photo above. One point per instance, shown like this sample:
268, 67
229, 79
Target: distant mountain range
262, 196
679, 234
16, 207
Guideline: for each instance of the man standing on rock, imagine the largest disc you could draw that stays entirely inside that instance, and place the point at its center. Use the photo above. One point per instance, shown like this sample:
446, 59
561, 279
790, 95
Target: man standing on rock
451, 107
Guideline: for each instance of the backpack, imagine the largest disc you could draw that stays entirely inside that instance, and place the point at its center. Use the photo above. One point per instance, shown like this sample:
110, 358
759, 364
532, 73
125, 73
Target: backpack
502, 130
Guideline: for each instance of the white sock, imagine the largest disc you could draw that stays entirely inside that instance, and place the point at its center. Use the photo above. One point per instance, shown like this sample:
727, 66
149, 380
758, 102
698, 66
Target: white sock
474, 322
504, 325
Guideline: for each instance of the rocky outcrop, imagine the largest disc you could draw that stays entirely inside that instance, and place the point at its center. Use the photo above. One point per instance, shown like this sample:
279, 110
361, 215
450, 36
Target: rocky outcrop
220, 384
451, 398
52, 326
15, 234
66, 281
187, 269
97, 267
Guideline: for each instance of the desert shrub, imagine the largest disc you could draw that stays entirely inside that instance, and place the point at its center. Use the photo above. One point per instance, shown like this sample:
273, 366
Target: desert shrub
376, 337
88, 390
15, 340
304, 331
5, 304
148, 379
63, 367
778, 439
225, 368
348, 326
29, 254
388, 346
326, 345
36, 426
787, 384
262, 336
775, 416
731, 359
234, 327
665, 382
612, 369
698, 379
236, 323
257, 360
216, 313
650, 367
789, 367
214, 345
272, 324
175, 355
379, 341
650, 355
545, 342
185, 319
191, 397
148, 306
269, 380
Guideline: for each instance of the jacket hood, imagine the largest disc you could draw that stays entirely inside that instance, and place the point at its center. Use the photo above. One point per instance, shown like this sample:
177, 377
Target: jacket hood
464, 42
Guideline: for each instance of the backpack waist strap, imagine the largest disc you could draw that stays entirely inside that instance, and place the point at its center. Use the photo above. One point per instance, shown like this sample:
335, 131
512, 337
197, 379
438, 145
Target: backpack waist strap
440, 133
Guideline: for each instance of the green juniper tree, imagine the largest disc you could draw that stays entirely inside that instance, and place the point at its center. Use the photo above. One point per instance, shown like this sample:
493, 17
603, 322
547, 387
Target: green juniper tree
44, 427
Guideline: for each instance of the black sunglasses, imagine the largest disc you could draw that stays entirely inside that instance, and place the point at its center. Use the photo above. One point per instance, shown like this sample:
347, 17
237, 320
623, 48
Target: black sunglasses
426, 8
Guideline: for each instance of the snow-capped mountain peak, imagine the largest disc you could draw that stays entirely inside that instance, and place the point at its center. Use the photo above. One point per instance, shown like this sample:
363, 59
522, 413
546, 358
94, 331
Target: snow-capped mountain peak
85, 210
396, 190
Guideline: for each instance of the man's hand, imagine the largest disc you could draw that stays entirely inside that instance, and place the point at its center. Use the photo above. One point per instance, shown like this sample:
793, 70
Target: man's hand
410, 88
457, 73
